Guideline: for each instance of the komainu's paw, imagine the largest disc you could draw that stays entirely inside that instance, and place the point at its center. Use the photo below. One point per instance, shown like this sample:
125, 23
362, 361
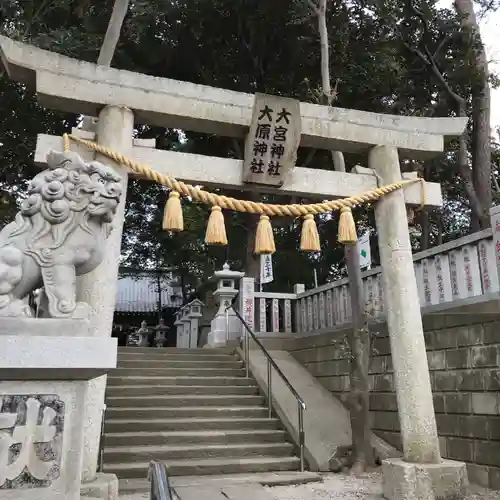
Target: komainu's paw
82, 311
10, 308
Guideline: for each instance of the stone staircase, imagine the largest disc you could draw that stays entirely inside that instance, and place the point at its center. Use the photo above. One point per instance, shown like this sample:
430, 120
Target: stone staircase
193, 409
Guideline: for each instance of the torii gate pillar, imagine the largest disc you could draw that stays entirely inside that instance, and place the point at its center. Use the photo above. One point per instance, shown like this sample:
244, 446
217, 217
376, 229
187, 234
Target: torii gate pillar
98, 288
422, 473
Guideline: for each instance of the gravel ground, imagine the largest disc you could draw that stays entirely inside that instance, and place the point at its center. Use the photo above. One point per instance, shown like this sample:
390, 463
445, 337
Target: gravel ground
338, 486
367, 487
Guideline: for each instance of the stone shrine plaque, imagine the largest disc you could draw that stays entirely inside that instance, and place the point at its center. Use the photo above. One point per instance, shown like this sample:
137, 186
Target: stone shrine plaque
272, 141
31, 432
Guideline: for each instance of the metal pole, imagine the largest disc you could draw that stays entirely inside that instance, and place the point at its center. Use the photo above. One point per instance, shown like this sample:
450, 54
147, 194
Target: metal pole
100, 464
247, 354
269, 390
227, 326
301, 436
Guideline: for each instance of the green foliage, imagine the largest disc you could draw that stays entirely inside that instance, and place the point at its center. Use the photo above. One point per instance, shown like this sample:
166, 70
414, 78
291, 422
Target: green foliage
250, 46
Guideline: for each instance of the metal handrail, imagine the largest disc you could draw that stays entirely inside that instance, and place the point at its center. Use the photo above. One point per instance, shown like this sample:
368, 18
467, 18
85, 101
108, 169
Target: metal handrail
160, 485
100, 458
271, 363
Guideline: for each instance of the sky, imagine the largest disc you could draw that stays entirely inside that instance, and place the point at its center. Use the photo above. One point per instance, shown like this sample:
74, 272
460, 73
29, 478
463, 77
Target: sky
490, 28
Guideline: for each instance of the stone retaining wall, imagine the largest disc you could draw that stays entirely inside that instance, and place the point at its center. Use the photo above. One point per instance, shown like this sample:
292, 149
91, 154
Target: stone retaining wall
464, 355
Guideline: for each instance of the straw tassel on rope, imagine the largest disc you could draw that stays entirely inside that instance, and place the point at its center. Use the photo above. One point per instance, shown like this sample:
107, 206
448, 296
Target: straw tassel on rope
347, 227
264, 239
216, 228
172, 217
309, 237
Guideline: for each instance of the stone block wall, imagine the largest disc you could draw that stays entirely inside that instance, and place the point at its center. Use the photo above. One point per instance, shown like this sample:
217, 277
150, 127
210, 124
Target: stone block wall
464, 358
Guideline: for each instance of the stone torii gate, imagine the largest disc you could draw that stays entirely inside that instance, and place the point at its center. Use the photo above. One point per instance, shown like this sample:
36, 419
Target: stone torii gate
121, 98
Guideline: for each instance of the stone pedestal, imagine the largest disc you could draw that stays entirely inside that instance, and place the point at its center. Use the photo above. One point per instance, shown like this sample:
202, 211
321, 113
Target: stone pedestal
44, 371
406, 481
225, 328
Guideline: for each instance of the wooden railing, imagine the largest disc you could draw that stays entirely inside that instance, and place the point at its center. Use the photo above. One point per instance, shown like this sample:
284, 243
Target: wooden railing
447, 275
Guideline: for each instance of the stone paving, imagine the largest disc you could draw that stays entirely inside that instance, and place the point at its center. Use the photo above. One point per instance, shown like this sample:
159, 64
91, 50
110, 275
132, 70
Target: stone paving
339, 486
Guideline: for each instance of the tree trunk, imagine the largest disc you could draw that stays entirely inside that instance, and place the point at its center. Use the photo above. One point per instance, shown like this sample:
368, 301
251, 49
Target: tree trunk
360, 347
477, 209
252, 261
325, 51
362, 452
439, 240
425, 226
481, 109
108, 47
113, 32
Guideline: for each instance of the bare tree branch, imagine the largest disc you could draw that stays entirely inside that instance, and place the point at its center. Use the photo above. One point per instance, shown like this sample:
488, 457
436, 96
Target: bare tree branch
309, 157
237, 148
313, 6
429, 59
441, 44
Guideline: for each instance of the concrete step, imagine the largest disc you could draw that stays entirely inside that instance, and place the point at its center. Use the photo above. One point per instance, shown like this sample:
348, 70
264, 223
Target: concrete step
127, 454
164, 371
154, 356
180, 381
185, 400
157, 390
187, 412
209, 466
154, 363
265, 478
189, 424
171, 438
176, 350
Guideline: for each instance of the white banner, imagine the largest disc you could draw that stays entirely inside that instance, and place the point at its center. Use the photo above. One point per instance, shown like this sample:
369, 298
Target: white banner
266, 269
365, 255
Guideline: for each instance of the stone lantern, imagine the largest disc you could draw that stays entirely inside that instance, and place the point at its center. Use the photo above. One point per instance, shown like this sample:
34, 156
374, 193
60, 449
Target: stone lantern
160, 333
139, 338
224, 330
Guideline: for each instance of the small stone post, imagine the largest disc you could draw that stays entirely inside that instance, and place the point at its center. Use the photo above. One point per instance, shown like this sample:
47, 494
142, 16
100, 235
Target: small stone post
194, 315
299, 327
495, 226
422, 466
247, 303
179, 326
98, 288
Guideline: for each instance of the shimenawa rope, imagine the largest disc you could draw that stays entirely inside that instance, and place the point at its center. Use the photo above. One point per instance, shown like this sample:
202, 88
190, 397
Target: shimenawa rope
347, 230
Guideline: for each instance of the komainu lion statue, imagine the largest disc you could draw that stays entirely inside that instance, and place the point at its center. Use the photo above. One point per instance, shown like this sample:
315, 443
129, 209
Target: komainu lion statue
59, 233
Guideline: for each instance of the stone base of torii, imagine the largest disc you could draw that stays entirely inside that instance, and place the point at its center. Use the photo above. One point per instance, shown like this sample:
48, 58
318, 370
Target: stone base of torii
76, 86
